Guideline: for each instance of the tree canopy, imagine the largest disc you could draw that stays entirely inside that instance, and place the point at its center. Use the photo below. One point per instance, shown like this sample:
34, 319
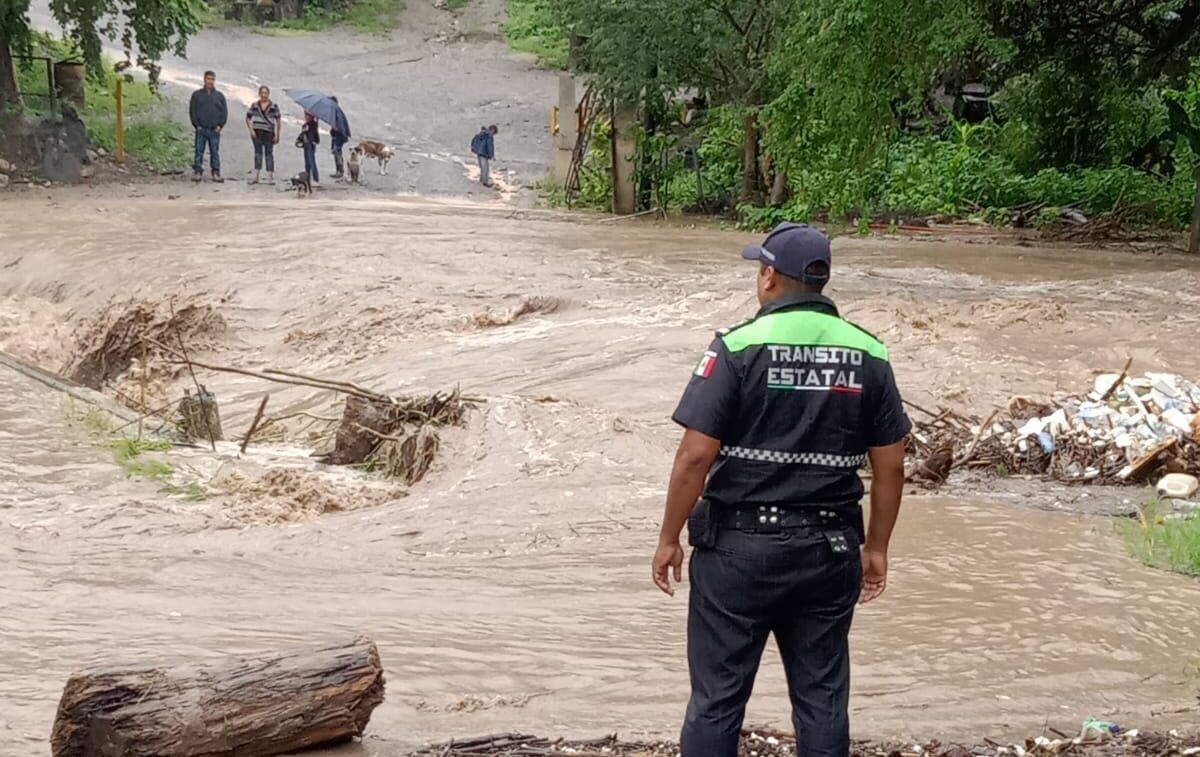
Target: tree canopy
145, 30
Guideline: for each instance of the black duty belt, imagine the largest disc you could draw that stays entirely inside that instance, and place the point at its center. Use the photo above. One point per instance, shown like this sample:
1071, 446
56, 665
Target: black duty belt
771, 519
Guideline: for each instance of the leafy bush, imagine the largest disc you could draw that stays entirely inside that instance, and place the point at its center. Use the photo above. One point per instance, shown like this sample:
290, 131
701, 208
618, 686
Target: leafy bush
531, 28
151, 134
367, 16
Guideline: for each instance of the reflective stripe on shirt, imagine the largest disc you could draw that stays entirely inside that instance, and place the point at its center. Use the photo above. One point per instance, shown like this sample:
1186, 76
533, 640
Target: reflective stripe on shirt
795, 458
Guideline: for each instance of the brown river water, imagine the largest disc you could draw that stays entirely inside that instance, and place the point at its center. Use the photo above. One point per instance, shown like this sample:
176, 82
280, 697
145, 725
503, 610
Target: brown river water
509, 590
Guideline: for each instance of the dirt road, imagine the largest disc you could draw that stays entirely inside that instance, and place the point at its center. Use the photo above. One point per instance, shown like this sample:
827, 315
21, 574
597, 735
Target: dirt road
509, 590
425, 88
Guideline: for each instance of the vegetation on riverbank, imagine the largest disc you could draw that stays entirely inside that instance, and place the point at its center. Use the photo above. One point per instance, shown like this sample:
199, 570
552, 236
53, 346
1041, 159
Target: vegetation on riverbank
152, 135
1010, 112
364, 16
530, 27
1163, 541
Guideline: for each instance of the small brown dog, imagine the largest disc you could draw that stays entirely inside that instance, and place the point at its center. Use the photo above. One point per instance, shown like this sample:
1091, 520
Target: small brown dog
354, 164
377, 150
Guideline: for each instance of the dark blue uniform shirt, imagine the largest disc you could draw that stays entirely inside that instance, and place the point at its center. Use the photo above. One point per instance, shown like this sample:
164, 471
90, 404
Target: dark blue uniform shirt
796, 396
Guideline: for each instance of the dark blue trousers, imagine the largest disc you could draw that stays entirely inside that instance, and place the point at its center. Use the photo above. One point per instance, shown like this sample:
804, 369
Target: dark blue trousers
310, 161
211, 139
749, 585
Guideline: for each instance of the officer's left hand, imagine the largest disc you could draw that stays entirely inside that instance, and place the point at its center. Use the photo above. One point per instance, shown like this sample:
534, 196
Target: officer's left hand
667, 556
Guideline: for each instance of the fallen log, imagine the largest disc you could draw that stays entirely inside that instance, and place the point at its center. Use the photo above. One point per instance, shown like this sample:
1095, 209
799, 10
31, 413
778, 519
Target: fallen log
249, 707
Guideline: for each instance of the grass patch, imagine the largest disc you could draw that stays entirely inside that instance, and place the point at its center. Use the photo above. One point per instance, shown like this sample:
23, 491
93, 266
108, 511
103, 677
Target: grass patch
530, 28
190, 492
457, 5
365, 16
277, 31
1163, 541
128, 452
151, 134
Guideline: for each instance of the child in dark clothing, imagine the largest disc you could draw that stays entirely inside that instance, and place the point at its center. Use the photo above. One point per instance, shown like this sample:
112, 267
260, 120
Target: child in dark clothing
310, 137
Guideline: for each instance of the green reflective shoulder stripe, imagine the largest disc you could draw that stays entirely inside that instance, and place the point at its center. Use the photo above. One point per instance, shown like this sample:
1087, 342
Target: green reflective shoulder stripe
803, 327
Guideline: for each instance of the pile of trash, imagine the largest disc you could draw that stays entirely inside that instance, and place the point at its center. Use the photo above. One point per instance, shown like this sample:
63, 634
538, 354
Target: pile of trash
1090, 743
1125, 430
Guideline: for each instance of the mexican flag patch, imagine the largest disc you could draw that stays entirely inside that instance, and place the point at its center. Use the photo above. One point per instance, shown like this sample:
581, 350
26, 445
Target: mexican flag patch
705, 366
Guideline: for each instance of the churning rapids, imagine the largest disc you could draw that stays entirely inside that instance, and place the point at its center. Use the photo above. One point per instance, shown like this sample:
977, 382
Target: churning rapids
510, 589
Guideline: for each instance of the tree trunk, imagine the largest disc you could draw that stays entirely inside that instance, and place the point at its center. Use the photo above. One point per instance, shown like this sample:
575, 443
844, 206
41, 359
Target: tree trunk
1194, 242
750, 180
8, 75
779, 188
250, 708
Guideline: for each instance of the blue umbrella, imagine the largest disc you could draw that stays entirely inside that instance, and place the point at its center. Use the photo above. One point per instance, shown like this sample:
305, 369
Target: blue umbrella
322, 106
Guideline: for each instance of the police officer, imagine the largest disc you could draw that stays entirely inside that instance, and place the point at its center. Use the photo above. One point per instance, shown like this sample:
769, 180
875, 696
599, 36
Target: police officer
779, 414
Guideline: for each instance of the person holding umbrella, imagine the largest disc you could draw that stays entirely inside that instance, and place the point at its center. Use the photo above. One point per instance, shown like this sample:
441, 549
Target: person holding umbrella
324, 108
339, 135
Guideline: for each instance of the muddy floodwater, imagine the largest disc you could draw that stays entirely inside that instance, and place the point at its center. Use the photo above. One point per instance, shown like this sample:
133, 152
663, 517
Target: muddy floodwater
509, 590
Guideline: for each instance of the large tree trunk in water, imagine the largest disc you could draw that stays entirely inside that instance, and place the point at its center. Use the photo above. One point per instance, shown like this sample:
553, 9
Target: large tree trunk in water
251, 708
750, 180
8, 75
1194, 242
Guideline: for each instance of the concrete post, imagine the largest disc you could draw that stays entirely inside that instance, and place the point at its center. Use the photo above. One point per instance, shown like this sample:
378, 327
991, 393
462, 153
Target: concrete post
564, 140
624, 148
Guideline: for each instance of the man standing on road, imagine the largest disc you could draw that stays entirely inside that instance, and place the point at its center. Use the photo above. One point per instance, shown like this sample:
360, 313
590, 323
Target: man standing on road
779, 415
484, 147
209, 114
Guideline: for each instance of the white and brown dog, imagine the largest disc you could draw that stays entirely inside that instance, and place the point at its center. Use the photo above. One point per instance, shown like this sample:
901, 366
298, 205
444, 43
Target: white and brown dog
377, 150
354, 164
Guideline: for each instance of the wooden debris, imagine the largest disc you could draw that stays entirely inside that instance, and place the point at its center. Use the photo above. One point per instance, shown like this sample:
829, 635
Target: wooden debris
199, 417
262, 406
1143, 465
363, 420
251, 707
400, 437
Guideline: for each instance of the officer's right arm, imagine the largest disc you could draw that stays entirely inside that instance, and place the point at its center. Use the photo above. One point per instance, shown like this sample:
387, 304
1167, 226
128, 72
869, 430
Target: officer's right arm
707, 410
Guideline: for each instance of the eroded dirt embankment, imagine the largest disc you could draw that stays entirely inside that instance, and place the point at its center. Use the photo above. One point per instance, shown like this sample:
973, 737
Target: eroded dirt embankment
514, 572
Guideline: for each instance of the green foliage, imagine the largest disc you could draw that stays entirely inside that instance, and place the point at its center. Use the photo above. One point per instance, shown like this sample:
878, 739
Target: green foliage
756, 218
595, 174
721, 150
145, 29
192, 492
531, 28
366, 16
127, 453
850, 69
654, 48
1161, 541
151, 134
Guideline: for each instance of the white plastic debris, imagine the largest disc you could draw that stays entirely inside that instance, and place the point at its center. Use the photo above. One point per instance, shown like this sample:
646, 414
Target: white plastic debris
1178, 486
1179, 419
1033, 427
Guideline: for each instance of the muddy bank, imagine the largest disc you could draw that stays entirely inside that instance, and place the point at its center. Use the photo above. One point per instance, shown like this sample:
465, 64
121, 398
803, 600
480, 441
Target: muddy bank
508, 588
774, 744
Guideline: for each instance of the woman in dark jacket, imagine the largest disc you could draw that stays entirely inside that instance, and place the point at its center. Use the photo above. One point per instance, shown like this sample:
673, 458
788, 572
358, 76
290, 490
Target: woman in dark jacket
310, 137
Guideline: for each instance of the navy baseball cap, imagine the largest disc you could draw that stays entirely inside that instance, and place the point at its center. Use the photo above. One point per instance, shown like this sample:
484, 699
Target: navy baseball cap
791, 248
